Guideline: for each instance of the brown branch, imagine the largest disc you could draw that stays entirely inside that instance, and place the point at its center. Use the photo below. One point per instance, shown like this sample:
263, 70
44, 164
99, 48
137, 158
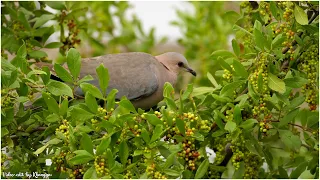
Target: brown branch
38, 129
297, 125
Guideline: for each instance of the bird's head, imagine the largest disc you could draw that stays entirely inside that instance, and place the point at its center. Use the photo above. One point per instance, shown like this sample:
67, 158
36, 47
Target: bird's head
175, 62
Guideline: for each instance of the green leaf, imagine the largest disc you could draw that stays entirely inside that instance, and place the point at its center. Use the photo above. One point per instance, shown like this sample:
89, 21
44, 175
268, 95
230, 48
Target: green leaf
103, 145
62, 73
42, 20
221, 53
170, 160
82, 157
86, 87
237, 115
224, 64
202, 90
64, 107
153, 119
74, 63
299, 170
35, 72
230, 126
221, 98
258, 26
259, 39
276, 84
198, 136
123, 152
86, 143
289, 139
239, 69
59, 89
104, 78
229, 88
213, 81
54, 141
217, 119
41, 149
45, 78
283, 173
127, 105
187, 92
247, 124
218, 133
202, 170
277, 41
156, 133
53, 45
60, 5
91, 102
289, 117
111, 99
168, 90
171, 104
180, 125
85, 79
20, 59
110, 158
80, 115
295, 82
274, 9
51, 103
171, 172
4, 131
53, 118
145, 135
235, 47
37, 54
90, 173
300, 16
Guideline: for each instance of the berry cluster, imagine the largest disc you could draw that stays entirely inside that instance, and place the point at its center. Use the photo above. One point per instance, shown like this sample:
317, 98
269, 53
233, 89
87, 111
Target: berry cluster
100, 166
238, 148
60, 161
227, 75
264, 10
153, 173
128, 175
229, 115
264, 125
189, 153
136, 130
77, 173
309, 61
252, 164
261, 74
72, 40
8, 98
64, 128
261, 70
218, 146
248, 10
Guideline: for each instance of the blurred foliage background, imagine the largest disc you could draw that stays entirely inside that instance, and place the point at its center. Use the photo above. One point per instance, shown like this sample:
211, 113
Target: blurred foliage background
97, 28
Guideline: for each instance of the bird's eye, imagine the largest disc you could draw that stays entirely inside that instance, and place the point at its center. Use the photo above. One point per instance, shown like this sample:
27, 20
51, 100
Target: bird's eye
180, 64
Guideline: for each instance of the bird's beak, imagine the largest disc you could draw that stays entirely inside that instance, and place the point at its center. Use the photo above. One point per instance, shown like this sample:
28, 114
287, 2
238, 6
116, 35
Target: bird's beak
191, 71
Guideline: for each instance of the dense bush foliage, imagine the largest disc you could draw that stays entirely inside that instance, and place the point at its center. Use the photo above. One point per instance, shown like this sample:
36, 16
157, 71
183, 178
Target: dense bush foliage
262, 106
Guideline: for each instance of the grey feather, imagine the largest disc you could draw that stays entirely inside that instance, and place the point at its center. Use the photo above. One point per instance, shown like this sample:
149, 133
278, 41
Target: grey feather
133, 74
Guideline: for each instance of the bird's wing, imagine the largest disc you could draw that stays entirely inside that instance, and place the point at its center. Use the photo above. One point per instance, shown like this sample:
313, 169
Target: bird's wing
133, 74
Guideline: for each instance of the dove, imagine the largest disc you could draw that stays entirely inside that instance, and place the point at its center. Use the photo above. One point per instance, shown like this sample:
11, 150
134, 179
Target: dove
138, 76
